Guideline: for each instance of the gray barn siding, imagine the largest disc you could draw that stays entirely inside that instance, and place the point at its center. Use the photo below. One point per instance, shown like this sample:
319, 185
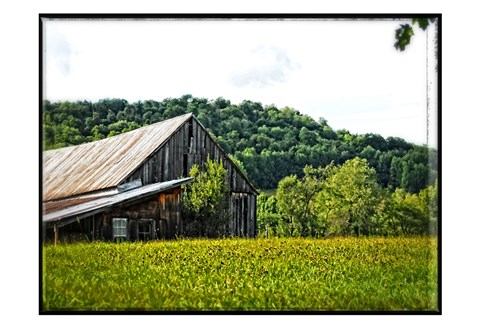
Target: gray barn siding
192, 143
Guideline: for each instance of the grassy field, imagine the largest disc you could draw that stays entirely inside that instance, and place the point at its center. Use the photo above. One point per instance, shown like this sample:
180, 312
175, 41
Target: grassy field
243, 274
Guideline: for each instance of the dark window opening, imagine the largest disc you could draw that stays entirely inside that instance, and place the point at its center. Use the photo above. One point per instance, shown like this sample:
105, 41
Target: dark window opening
146, 229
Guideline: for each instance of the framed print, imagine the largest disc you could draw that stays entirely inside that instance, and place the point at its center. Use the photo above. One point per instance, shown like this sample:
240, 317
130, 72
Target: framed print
240, 164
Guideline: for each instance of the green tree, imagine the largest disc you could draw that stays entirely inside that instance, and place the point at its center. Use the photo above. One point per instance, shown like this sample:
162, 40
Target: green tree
351, 195
296, 201
99, 132
204, 201
307, 137
428, 198
277, 133
414, 176
66, 136
288, 204
48, 136
269, 221
408, 214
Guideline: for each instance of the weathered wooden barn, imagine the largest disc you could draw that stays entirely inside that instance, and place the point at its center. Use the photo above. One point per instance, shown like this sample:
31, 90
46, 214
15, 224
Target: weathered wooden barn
129, 186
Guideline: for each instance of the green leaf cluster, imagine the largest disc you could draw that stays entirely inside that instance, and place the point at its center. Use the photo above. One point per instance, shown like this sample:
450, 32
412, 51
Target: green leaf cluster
204, 201
402, 36
405, 32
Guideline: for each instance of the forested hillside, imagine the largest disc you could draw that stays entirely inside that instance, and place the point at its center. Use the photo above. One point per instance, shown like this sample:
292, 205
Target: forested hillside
269, 143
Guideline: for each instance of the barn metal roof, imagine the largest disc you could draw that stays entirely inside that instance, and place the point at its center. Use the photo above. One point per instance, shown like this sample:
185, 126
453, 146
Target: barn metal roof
57, 205
105, 163
78, 211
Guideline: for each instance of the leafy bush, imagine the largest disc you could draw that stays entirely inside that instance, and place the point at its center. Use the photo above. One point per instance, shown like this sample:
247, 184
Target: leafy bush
204, 201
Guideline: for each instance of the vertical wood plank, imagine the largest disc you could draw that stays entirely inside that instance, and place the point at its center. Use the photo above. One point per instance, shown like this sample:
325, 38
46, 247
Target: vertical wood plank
165, 163
245, 213
204, 145
178, 161
208, 145
154, 168
195, 139
174, 157
200, 148
249, 216
198, 138
153, 233
229, 179
234, 172
183, 135
171, 161
240, 215
244, 216
149, 171
160, 165
235, 213
182, 151
55, 231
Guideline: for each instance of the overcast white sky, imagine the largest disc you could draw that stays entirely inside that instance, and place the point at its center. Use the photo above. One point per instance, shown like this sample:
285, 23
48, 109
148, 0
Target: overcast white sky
345, 71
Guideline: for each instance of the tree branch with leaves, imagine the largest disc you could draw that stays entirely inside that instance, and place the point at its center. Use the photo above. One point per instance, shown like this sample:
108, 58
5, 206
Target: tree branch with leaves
405, 32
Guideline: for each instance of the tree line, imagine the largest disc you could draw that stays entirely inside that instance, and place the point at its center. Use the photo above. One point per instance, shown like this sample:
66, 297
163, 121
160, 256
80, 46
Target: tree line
345, 200
267, 142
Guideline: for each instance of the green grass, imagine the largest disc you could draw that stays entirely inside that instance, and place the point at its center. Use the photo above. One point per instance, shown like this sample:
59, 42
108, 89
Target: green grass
243, 274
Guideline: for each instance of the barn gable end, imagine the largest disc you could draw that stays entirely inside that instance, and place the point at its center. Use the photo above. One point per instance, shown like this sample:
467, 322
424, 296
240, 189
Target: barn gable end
190, 144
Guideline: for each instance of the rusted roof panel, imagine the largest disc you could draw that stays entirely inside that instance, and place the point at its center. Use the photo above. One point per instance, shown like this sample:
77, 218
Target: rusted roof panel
64, 203
97, 205
105, 163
